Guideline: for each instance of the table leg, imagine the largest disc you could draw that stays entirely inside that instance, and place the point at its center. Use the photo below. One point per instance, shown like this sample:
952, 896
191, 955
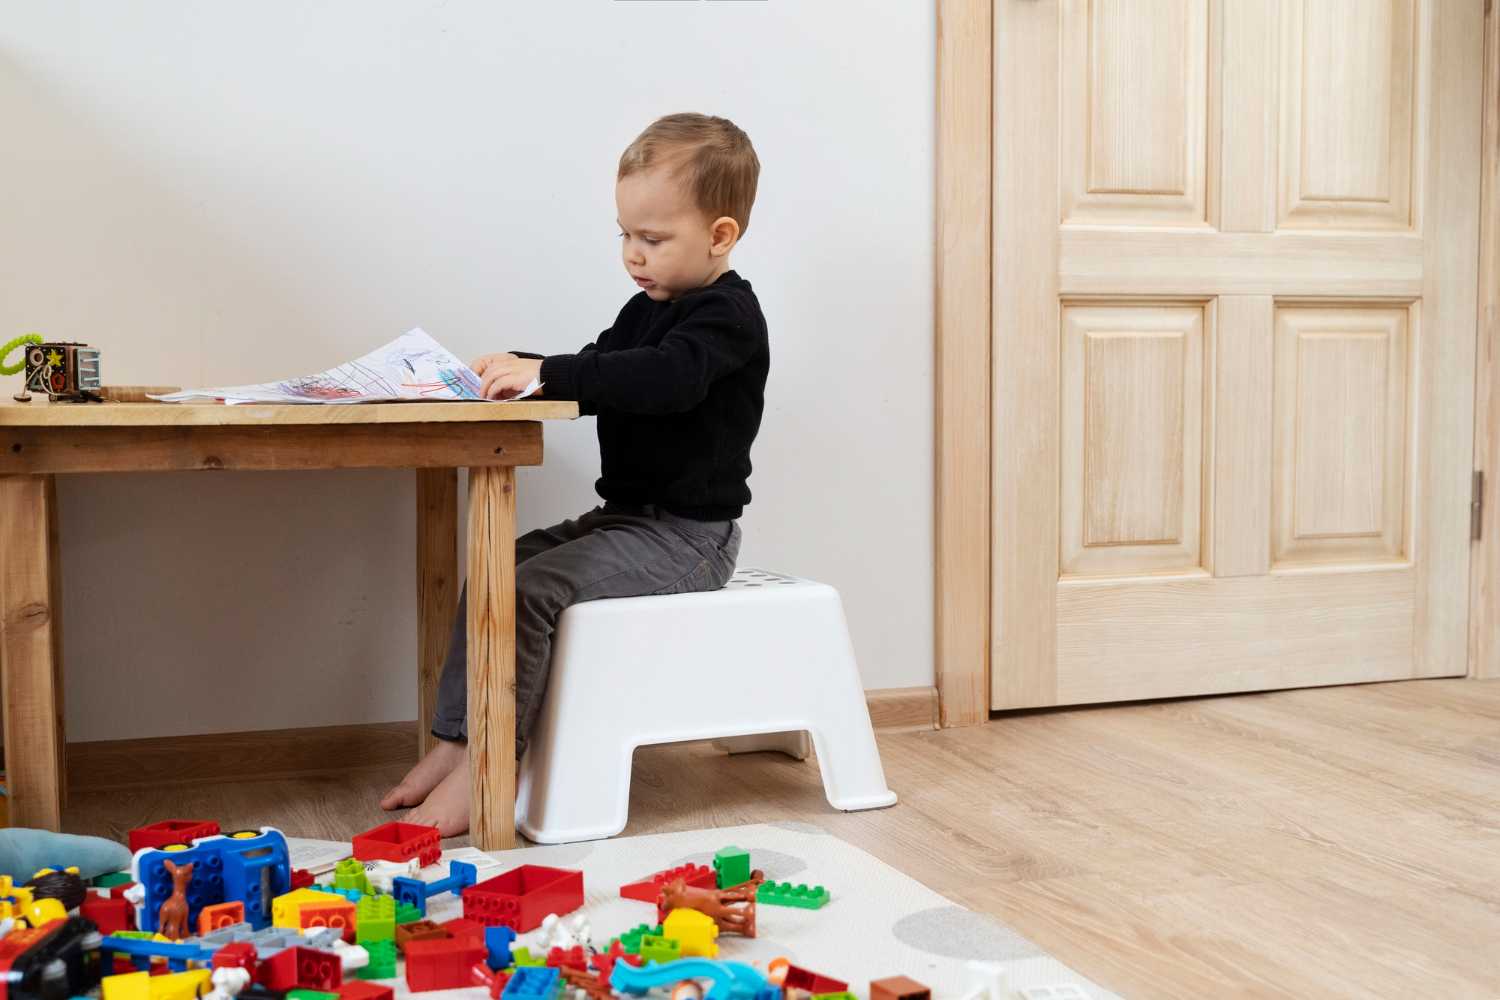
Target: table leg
26, 664
492, 657
437, 588
54, 601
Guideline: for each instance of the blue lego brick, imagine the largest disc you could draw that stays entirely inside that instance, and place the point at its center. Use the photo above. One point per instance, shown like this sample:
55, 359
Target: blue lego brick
252, 868
532, 982
498, 940
415, 892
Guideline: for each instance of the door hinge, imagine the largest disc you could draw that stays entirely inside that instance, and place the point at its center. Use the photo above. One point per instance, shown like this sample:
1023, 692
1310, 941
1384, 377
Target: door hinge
1476, 508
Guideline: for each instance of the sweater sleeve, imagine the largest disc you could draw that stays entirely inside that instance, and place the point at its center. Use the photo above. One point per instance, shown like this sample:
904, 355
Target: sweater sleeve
670, 377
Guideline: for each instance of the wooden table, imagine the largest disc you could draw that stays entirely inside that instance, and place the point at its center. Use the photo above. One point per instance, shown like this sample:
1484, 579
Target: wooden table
39, 440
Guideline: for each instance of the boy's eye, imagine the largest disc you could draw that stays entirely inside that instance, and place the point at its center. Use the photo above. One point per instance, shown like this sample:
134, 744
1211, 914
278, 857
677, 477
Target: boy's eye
650, 241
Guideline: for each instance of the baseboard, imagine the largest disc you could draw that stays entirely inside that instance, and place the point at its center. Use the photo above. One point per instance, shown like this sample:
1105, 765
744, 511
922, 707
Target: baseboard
895, 710
210, 757
295, 753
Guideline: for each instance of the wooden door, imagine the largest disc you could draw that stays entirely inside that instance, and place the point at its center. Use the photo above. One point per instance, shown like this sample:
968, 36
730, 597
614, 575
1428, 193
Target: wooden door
1233, 343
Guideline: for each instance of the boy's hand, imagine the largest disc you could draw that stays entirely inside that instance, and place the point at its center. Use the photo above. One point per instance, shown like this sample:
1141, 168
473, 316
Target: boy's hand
505, 375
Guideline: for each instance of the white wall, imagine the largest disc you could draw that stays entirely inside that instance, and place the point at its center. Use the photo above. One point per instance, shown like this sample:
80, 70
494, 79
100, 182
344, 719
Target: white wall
225, 192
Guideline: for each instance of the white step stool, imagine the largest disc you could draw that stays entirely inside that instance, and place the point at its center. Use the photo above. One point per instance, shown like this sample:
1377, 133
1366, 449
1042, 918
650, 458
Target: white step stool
767, 654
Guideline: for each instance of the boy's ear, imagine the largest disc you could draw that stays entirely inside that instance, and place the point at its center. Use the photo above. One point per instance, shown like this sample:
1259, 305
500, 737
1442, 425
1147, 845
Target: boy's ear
726, 233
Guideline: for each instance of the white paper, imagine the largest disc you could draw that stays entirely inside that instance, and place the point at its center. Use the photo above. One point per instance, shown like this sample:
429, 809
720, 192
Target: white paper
411, 368
317, 856
472, 855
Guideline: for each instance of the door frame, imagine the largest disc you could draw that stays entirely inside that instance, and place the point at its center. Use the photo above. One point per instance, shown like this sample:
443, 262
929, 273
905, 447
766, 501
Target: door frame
963, 417
962, 362
1484, 579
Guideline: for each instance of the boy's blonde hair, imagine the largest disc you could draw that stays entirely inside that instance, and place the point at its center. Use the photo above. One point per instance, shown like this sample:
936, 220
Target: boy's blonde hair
712, 154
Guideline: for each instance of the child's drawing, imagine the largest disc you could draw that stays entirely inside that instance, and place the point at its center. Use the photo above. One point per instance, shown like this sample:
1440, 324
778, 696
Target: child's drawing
411, 367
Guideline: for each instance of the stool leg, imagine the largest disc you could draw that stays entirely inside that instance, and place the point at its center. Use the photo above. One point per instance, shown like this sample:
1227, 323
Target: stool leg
437, 588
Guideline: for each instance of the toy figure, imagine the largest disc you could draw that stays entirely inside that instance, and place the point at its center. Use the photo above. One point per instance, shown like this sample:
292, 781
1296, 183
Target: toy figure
172, 922
730, 909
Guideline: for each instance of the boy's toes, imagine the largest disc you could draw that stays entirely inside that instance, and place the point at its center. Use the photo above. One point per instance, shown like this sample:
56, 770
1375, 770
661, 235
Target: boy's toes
403, 796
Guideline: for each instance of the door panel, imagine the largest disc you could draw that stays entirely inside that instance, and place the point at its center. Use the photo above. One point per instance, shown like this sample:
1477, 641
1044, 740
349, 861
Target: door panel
1230, 446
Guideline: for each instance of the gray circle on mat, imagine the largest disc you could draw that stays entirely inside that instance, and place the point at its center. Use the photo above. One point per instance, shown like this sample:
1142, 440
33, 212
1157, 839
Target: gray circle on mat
559, 854
778, 866
954, 932
816, 831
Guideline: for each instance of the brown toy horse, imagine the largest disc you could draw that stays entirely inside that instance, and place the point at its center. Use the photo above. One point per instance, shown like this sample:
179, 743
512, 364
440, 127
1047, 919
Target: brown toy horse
730, 909
172, 918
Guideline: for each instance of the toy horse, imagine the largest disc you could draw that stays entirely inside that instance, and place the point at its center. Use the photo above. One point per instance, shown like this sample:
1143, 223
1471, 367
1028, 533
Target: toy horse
172, 918
732, 910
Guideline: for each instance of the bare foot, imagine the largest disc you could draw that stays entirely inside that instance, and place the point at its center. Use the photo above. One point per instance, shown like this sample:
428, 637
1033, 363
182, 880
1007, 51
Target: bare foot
419, 782
447, 806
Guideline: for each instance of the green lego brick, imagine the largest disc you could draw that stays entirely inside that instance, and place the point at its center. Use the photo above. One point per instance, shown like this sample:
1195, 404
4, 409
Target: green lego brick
660, 949
786, 894
310, 995
350, 874
382, 961
631, 939
834, 996
375, 919
113, 879
522, 956
733, 865
135, 935
407, 913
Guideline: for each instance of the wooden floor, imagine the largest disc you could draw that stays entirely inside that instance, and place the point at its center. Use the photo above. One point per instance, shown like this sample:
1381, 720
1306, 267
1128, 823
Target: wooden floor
1328, 843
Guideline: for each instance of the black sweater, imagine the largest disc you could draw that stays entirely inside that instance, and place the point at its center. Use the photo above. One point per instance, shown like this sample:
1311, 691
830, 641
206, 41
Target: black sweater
679, 388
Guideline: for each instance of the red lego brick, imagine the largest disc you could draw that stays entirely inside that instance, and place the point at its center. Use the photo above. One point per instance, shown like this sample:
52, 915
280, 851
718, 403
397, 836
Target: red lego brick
522, 897
298, 967
400, 842
462, 926
649, 888
802, 979
898, 988
493, 981
301, 879
112, 913
239, 955
443, 965
574, 958
171, 831
362, 989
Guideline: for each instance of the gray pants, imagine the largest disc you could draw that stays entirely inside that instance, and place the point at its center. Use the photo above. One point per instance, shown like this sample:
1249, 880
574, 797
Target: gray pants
611, 551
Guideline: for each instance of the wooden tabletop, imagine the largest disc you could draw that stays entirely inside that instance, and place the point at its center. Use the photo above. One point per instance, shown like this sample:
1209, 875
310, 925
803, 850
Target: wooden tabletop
40, 413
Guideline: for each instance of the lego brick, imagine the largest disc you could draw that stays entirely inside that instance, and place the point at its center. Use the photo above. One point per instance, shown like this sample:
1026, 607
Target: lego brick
695, 931
898, 988
834, 996
732, 865
798, 978
418, 930
358, 989
382, 961
337, 914
350, 874
497, 941
236, 955
375, 919
304, 967
442, 965
659, 949
521, 897
301, 994
171, 831
1063, 991
218, 915
400, 842
532, 984
573, 958
631, 939
112, 880
493, 982
240, 866
460, 926
786, 894
112, 914
285, 909
406, 913
302, 878
649, 888
522, 956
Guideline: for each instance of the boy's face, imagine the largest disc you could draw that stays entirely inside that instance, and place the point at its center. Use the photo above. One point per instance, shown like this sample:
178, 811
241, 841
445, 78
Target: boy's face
668, 245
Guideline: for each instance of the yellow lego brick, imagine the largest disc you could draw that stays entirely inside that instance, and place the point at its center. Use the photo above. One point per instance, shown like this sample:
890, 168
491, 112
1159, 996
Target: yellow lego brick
695, 931
285, 910
128, 986
181, 985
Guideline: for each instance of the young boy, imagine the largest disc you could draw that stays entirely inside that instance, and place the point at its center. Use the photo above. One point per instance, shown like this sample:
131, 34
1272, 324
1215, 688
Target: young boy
678, 385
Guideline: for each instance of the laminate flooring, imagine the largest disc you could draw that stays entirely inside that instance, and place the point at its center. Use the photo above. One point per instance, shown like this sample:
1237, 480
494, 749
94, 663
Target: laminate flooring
1329, 842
